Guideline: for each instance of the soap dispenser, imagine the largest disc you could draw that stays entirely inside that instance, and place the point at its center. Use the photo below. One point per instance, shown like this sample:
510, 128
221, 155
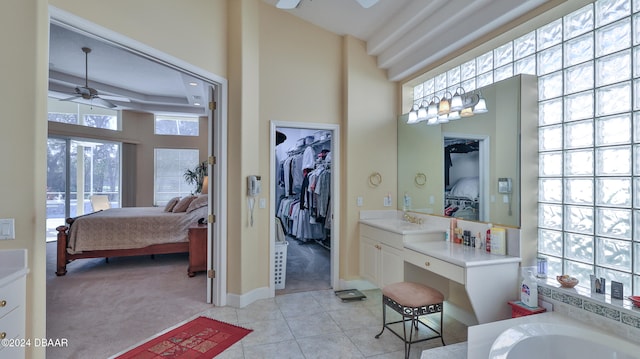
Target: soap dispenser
529, 291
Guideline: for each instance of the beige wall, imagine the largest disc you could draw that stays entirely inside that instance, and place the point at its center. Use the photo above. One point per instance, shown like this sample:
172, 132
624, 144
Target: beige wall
23, 69
193, 31
369, 142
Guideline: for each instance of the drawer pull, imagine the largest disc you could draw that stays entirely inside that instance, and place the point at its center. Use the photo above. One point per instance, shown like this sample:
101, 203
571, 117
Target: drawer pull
3, 335
426, 264
3, 303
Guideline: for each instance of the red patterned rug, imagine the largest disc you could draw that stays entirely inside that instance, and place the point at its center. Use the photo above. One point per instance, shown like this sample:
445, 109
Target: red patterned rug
200, 338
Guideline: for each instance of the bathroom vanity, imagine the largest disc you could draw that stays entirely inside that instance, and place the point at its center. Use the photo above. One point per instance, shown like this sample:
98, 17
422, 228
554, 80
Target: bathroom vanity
13, 279
393, 250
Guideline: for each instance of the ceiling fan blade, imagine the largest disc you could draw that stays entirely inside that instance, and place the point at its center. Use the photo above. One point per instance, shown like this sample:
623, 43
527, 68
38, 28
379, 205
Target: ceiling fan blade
287, 4
71, 98
367, 3
115, 98
102, 102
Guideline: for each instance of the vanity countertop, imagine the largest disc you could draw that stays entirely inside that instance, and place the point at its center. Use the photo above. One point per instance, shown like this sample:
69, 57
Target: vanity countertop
459, 254
399, 226
13, 265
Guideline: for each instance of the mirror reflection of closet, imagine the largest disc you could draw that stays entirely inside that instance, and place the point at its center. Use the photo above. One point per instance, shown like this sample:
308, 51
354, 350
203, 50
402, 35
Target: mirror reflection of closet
464, 178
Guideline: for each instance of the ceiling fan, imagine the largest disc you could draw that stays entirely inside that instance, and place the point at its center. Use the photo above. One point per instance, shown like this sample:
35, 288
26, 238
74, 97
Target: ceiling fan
90, 94
292, 4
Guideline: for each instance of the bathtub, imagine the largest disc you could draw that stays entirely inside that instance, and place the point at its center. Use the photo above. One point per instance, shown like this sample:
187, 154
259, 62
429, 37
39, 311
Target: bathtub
546, 335
556, 340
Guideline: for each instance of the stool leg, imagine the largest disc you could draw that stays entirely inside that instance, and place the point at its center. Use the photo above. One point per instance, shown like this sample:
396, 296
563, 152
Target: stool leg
442, 328
407, 344
384, 318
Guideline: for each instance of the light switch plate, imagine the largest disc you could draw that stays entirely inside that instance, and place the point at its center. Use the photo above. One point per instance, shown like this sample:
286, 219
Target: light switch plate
7, 228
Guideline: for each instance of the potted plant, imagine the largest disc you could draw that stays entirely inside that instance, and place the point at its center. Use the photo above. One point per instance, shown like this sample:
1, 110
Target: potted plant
196, 176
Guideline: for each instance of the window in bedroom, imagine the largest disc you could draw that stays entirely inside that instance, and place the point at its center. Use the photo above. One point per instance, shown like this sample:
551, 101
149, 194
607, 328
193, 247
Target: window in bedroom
177, 125
76, 170
170, 166
83, 115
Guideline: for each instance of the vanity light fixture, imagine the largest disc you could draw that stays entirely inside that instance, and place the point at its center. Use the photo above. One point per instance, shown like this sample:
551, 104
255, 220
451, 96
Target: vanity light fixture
481, 106
432, 111
413, 115
422, 111
444, 107
448, 108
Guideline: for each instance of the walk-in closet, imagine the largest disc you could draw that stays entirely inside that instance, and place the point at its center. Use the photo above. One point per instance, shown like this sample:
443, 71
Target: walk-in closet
304, 206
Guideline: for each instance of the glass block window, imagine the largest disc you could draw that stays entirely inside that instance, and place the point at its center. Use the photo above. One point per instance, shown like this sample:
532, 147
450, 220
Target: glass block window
588, 68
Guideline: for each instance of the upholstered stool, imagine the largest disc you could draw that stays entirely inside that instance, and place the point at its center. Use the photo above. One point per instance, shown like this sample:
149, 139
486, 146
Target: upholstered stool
411, 300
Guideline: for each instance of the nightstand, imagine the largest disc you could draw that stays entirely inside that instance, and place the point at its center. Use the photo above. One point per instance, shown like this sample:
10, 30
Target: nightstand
197, 249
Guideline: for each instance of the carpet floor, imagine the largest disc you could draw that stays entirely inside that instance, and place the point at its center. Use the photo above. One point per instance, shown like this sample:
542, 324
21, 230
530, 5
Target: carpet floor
101, 308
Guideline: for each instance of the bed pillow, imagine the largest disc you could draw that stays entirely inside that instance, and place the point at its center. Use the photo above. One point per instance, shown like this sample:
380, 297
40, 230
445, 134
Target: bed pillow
172, 203
183, 204
466, 187
199, 202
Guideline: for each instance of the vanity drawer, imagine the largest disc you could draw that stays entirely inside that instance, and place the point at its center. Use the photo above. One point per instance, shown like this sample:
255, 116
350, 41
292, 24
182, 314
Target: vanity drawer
11, 296
391, 239
13, 327
435, 265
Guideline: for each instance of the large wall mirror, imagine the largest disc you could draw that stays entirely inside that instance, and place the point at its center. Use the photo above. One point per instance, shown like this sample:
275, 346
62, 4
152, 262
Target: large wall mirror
470, 168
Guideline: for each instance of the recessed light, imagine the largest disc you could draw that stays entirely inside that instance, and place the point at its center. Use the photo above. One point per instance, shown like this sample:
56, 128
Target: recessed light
193, 83
196, 103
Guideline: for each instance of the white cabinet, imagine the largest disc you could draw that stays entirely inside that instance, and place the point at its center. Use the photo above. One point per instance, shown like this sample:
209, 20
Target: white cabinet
381, 261
13, 292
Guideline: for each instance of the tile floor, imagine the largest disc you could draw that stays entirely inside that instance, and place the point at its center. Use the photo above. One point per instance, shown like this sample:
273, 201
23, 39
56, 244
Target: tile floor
319, 325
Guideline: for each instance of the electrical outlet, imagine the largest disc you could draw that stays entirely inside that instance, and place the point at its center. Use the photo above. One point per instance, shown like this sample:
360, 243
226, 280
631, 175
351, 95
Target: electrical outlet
387, 201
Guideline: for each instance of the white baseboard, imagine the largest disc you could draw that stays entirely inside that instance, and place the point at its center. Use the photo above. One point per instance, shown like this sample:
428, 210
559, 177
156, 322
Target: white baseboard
359, 284
242, 300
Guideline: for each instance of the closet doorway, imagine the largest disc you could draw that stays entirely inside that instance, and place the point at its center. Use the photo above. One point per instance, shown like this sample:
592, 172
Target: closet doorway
304, 194
466, 171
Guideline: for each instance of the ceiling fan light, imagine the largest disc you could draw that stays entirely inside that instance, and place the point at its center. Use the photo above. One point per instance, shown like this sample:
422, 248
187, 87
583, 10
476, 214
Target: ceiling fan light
367, 3
287, 4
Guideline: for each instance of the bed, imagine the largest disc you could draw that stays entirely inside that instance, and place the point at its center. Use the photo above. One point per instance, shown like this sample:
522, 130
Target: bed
128, 231
461, 201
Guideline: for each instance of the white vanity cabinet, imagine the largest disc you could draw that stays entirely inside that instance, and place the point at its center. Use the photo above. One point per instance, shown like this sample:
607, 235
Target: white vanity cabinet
13, 292
381, 260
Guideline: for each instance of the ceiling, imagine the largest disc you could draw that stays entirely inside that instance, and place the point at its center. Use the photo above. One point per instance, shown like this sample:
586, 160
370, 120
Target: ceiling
143, 84
405, 36
408, 35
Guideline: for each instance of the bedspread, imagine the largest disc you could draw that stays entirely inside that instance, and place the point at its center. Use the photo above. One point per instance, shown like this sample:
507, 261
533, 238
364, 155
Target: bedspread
130, 227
